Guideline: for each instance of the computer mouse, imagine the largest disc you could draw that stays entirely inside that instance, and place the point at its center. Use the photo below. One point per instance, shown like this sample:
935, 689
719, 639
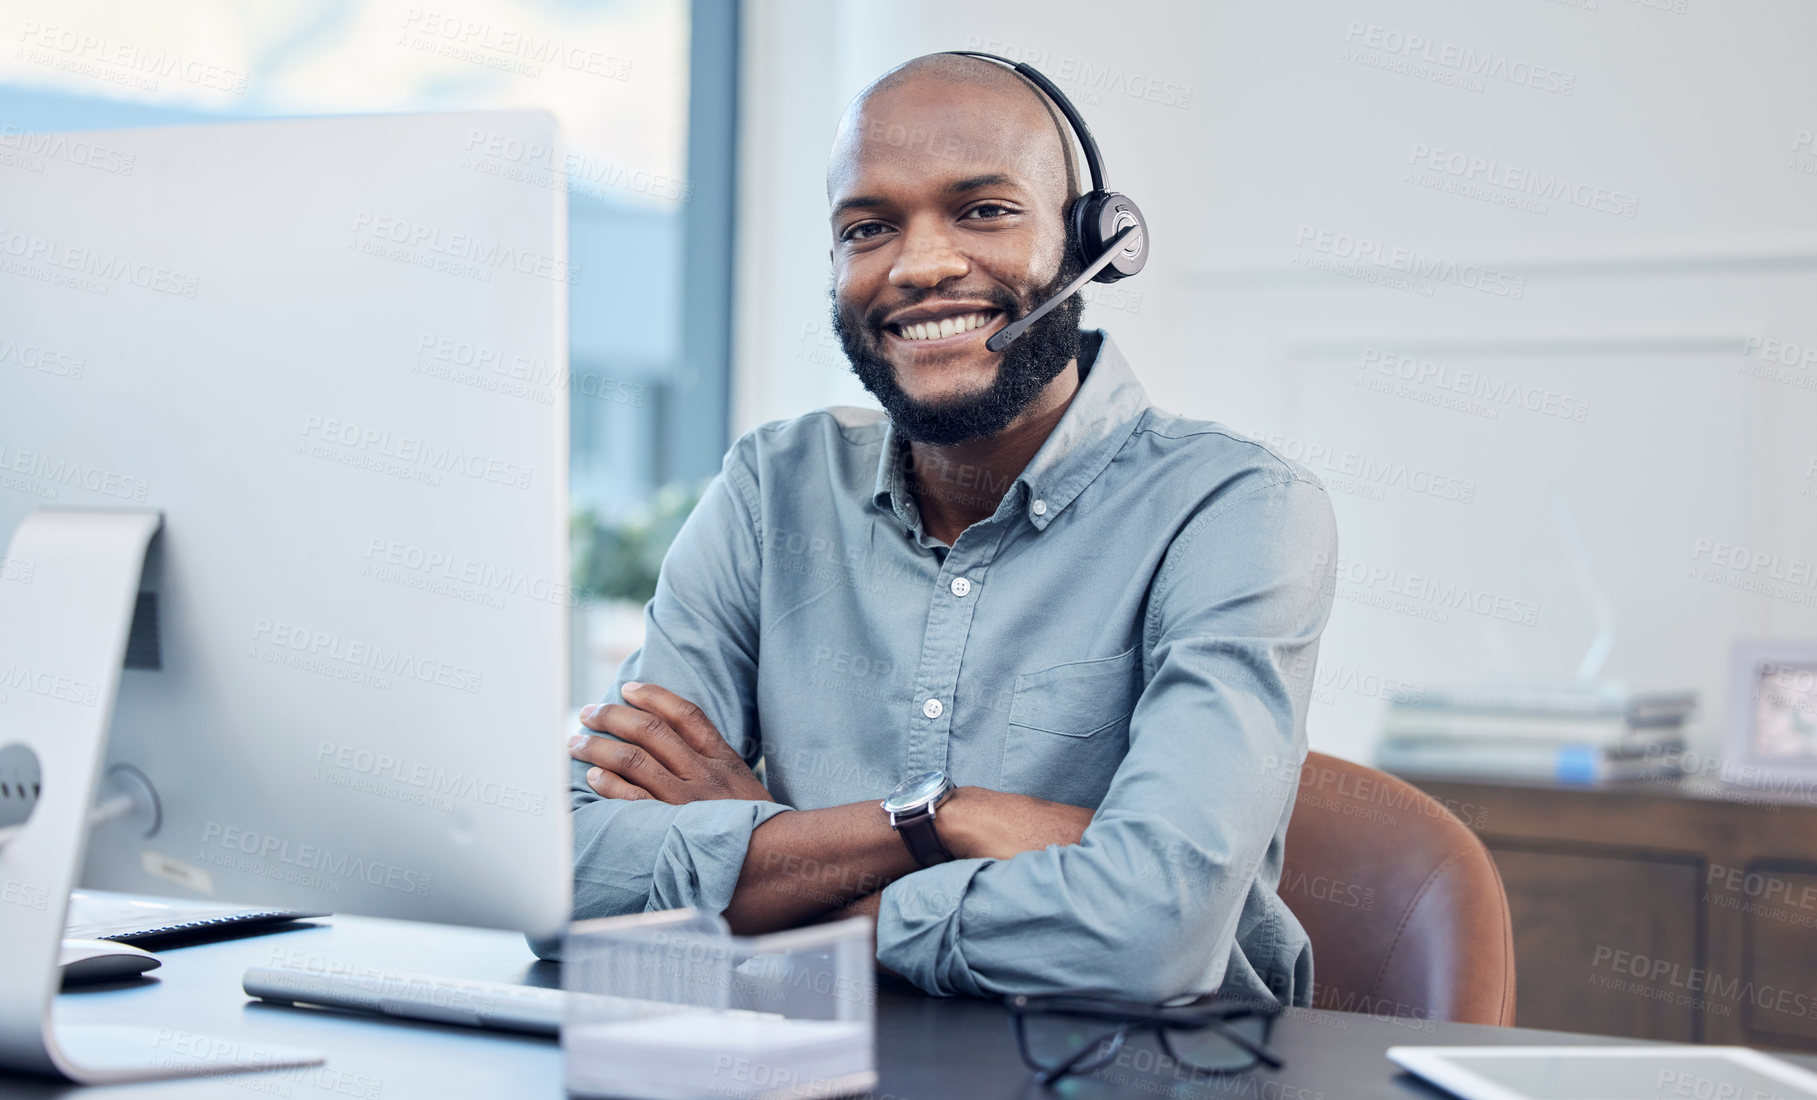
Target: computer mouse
85, 961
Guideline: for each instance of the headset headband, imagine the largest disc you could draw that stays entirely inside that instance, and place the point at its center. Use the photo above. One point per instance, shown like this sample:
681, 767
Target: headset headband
1035, 76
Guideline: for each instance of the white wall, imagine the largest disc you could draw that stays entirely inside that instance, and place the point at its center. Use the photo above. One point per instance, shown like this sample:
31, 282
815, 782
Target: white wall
1264, 140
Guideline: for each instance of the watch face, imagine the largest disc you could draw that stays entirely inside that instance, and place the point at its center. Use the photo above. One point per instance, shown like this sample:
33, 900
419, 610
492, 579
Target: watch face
915, 791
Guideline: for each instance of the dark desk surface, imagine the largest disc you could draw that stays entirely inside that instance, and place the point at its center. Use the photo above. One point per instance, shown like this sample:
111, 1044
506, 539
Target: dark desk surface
928, 1048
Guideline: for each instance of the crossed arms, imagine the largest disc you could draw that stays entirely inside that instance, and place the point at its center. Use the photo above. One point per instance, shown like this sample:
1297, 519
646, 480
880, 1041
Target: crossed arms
799, 866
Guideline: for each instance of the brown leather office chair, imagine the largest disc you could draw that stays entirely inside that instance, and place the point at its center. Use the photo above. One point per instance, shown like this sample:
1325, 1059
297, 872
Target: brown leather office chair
1403, 903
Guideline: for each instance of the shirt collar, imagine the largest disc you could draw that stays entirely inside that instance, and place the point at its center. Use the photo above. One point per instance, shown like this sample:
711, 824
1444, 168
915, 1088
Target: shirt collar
1089, 434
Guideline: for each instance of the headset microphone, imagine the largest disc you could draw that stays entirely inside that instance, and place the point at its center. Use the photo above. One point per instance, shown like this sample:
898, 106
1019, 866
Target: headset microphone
1008, 334
1111, 233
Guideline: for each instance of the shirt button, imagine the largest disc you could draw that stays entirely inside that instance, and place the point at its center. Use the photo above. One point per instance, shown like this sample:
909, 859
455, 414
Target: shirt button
932, 708
961, 587
1039, 507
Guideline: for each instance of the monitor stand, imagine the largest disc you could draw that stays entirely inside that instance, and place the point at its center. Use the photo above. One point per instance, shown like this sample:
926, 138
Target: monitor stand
66, 606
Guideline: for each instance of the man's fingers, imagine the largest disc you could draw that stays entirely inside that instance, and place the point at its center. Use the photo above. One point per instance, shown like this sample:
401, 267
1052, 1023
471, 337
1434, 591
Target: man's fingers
630, 762
607, 785
683, 716
646, 729
666, 746
591, 718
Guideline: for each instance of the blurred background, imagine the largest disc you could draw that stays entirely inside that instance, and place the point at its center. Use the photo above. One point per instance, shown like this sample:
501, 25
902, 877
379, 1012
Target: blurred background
1527, 283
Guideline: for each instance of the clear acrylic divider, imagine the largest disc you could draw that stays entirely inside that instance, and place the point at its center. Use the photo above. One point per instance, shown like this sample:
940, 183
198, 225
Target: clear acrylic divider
671, 1006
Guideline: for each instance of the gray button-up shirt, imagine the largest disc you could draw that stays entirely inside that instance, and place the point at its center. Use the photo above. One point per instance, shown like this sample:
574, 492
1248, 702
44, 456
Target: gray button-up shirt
1133, 631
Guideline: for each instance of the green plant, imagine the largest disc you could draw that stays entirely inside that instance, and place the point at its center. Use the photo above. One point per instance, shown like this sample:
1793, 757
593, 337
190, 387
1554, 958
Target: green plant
619, 560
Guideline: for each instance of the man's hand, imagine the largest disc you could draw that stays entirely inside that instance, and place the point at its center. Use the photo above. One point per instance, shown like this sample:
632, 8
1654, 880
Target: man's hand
977, 821
667, 749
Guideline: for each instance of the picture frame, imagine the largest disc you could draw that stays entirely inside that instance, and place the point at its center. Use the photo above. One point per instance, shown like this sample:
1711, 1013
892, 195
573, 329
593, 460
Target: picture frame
1771, 739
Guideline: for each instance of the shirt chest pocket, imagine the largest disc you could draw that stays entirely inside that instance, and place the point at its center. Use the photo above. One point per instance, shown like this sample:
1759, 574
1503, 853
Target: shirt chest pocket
1069, 728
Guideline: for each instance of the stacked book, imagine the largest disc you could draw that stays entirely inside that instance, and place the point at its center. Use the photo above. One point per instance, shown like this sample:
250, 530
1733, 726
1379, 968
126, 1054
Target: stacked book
1567, 733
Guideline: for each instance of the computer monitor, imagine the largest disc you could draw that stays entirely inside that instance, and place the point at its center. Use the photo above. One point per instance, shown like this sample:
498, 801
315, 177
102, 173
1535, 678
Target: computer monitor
333, 354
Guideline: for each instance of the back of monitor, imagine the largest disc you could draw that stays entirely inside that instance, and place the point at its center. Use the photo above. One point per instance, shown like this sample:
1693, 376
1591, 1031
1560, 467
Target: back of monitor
332, 353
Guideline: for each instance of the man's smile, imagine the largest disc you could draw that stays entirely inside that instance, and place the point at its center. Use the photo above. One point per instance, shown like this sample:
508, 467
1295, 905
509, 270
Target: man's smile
941, 326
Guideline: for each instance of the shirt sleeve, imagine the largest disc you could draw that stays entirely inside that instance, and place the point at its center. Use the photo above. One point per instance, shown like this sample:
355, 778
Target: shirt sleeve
700, 642
1147, 906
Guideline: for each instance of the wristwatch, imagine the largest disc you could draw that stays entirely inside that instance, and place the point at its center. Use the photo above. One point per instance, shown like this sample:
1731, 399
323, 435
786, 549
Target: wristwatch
911, 808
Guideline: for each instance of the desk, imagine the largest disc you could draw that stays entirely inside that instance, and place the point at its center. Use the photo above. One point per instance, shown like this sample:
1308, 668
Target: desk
928, 1048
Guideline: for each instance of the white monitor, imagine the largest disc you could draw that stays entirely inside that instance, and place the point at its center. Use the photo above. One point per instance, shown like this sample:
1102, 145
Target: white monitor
333, 353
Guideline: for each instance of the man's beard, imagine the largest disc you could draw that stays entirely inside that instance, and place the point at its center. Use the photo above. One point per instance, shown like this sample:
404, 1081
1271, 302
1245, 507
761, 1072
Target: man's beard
1030, 362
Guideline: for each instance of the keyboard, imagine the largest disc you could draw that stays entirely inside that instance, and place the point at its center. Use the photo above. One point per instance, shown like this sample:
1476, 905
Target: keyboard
495, 1005
163, 922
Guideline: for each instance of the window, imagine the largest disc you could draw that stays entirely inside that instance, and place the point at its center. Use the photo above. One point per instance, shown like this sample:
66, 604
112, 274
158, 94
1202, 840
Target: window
645, 91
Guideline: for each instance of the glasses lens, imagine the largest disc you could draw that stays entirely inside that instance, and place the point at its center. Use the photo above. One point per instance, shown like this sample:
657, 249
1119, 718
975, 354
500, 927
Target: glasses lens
1210, 1048
1053, 1041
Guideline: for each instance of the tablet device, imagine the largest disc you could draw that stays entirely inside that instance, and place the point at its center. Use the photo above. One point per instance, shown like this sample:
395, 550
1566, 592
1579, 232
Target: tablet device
1641, 1072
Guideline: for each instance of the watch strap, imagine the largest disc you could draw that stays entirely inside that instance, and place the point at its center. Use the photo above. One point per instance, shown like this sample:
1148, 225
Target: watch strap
923, 840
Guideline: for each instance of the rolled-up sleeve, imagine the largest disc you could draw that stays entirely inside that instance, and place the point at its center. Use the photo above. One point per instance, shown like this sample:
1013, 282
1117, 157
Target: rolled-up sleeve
700, 642
1148, 905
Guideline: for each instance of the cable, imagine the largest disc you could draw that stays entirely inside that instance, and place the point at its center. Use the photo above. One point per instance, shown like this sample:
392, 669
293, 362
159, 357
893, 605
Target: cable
110, 810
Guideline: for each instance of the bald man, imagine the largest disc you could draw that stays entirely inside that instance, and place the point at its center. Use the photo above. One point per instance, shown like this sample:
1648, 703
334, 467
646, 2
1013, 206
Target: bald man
1065, 638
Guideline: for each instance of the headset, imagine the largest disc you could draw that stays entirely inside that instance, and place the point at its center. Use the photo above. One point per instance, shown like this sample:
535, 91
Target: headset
1111, 233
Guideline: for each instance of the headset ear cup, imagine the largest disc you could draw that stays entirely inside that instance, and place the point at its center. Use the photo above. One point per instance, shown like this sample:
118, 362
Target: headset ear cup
1085, 219
1097, 217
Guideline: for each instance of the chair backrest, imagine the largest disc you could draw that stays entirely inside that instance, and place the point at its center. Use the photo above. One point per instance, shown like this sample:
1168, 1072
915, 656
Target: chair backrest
1402, 902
